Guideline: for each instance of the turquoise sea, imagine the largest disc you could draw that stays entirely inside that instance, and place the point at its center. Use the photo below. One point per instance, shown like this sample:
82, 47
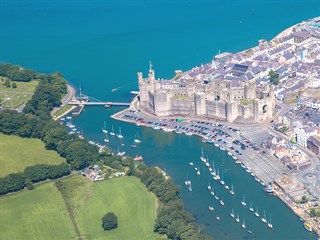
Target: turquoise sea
100, 45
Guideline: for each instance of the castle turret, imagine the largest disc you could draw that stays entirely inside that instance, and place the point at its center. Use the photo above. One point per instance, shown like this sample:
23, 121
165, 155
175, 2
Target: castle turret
249, 90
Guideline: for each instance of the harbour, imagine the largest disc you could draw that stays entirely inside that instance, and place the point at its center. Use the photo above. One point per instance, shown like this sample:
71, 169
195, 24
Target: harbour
166, 150
127, 47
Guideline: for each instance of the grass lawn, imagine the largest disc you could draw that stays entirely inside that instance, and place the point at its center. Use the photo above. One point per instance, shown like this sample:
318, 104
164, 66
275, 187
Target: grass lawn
17, 153
38, 214
127, 197
62, 110
14, 97
246, 101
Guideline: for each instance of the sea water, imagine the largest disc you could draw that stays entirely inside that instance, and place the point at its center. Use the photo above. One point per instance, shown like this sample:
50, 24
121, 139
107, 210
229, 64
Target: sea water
101, 45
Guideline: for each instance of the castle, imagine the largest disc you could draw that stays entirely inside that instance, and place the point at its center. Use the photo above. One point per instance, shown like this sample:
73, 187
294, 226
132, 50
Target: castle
207, 91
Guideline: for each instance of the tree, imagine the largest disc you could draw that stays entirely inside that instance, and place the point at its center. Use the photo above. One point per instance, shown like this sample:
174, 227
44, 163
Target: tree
14, 85
274, 77
7, 83
304, 199
312, 212
109, 221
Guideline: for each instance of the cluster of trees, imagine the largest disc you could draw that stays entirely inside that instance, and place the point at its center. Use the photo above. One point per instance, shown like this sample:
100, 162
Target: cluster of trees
78, 153
36, 122
172, 219
33, 174
48, 95
314, 212
109, 221
274, 77
16, 73
7, 83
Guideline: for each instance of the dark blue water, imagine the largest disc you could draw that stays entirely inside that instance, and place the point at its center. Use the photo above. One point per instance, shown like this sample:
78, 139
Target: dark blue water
100, 45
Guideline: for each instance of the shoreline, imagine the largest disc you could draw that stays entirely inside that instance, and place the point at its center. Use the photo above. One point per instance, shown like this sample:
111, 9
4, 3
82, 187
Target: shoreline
243, 161
71, 92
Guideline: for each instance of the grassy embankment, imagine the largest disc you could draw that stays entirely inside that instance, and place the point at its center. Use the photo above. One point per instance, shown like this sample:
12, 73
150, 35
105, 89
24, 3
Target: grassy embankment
37, 214
62, 111
15, 97
84, 205
17, 153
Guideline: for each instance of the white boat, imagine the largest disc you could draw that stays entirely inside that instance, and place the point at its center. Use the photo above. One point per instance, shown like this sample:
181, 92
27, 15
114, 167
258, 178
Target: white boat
232, 214
62, 119
243, 224
243, 202
196, 168
119, 135
263, 219
216, 197
209, 187
238, 219
104, 129
188, 133
222, 202
308, 227
217, 145
257, 213
217, 217
207, 164
210, 169
121, 154
167, 130
215, 178
136, 139
202, 158
187, 182
112, 131
155, 127
178, 132
69, 117
251, 208
212, 193
232, 190
218, 176
238, 162
211, 208
234, 157
223, 149
222, 182
229, 153
191, 163
106, 138
226, 187
198, 172
270, 224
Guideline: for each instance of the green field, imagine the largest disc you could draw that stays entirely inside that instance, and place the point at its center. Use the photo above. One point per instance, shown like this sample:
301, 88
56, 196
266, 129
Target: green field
14, 97
42, 214
38, 214
125, 196
17, 153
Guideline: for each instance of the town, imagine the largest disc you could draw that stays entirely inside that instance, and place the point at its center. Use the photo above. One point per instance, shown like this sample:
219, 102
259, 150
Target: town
265, 99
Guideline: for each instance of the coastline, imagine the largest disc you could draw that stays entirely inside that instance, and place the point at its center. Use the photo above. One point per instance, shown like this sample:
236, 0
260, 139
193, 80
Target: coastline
64, 102
299, 211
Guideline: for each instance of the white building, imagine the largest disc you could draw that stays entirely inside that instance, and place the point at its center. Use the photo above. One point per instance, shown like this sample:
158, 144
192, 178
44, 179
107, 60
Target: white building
304, 133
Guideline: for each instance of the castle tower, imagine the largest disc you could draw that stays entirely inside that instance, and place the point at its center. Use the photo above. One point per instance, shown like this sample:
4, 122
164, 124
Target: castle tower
249, 90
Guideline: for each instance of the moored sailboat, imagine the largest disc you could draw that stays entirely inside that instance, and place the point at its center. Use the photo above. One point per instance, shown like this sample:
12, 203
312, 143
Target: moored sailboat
112, 131
104, 129
243, 202
119, 135
232, 190
232, 213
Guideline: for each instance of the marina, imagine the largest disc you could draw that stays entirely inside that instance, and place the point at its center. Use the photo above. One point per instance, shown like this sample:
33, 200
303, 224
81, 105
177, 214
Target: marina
172, 150
221, 162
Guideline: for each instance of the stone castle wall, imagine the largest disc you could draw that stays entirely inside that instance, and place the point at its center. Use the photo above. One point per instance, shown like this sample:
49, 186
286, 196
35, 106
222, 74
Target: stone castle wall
215, 100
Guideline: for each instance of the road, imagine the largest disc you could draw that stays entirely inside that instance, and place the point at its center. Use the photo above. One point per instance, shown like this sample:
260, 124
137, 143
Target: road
67, 98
